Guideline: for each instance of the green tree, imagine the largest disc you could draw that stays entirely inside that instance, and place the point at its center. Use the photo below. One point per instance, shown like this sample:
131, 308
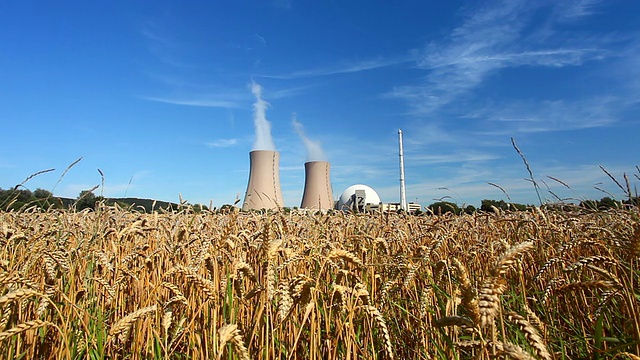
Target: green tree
42, 194
488, 205
45, 199
502, 205
607, 203
86, 200
443, 207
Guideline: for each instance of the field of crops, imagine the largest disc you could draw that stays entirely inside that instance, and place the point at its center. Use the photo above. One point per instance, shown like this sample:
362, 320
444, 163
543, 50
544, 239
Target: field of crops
113, 283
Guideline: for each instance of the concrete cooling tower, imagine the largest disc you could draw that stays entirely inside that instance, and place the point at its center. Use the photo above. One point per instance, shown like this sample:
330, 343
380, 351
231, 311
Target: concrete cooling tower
317, 186
263, 190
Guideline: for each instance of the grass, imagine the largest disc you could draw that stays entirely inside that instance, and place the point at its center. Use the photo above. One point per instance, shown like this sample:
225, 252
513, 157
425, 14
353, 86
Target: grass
115, 284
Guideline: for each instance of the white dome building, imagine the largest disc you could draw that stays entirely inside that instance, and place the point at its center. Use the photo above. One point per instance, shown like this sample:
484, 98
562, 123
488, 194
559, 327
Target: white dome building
357, 197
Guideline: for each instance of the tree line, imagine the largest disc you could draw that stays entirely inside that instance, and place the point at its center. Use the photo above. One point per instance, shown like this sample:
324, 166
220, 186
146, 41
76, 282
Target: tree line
443, 207
20, 199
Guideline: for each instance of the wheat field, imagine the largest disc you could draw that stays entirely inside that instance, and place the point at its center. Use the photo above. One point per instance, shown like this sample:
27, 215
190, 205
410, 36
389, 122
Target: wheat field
114, 283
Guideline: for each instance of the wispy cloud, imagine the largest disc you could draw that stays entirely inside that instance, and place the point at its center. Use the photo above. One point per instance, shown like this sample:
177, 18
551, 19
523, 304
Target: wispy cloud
420, 135
200, 100
222, 143
161, 45
289, 92
531, 117
342, 68
489, 39
457, 157
573, 10
627, 69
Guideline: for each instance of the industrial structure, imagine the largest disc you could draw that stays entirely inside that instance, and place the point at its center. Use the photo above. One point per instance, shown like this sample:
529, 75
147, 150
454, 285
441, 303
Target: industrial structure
361, 198
317, 186
263, 190
358, 198
403, 193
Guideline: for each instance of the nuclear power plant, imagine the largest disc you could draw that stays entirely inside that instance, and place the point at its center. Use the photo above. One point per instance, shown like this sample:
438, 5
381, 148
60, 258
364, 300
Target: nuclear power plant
263, 190
317, 186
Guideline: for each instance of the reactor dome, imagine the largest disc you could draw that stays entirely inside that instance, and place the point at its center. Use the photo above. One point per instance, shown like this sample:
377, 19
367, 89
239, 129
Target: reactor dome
357, 195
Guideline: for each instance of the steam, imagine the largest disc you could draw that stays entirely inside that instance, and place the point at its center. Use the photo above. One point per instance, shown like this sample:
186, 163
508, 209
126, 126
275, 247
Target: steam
314, 149
263, 140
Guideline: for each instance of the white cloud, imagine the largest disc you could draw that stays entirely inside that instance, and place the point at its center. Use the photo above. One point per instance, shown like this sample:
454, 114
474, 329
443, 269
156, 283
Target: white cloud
222, 143
419, 135
457, 157
342, 68
200, 100
542, 116
489, 39
162, 45
573, 10
288, 92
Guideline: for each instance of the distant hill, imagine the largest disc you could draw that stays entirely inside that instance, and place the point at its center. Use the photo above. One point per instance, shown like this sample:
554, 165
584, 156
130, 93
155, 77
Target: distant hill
136, 203
147, 204
20, 199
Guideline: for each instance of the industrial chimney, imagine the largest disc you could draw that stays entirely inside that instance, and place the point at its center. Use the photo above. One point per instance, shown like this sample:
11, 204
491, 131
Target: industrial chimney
403, 194
263, 190
317, 186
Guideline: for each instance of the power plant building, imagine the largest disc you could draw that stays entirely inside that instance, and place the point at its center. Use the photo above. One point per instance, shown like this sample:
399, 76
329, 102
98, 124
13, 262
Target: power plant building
357, 197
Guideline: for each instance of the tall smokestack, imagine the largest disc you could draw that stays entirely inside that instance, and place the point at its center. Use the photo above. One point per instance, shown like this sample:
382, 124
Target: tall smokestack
317, 186
263, 190
403, 193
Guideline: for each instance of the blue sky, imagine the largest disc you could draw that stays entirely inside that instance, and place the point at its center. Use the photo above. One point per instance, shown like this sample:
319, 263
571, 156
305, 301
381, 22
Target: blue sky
158, 96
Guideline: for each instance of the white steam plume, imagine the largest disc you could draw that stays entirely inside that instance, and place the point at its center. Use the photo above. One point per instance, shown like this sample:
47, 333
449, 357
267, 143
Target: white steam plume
263, 140
314, 150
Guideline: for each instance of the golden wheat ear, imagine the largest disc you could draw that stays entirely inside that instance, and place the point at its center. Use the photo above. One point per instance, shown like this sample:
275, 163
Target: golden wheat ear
489, 299
122, 327
509, 258
25, 326
231, 333
531, 334
468, 292
382, 324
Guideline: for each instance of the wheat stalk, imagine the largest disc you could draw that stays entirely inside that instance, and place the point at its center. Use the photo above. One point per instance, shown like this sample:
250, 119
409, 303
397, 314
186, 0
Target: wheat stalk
382, 324
122, 327
469, 300
489, 299
205, 285
532, 335
18, 295
508, 259
29, 325
231, 333
346, 256
516, 352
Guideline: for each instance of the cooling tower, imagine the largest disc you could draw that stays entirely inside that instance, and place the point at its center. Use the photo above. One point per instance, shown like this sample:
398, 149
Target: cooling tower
317, 186
263, 191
